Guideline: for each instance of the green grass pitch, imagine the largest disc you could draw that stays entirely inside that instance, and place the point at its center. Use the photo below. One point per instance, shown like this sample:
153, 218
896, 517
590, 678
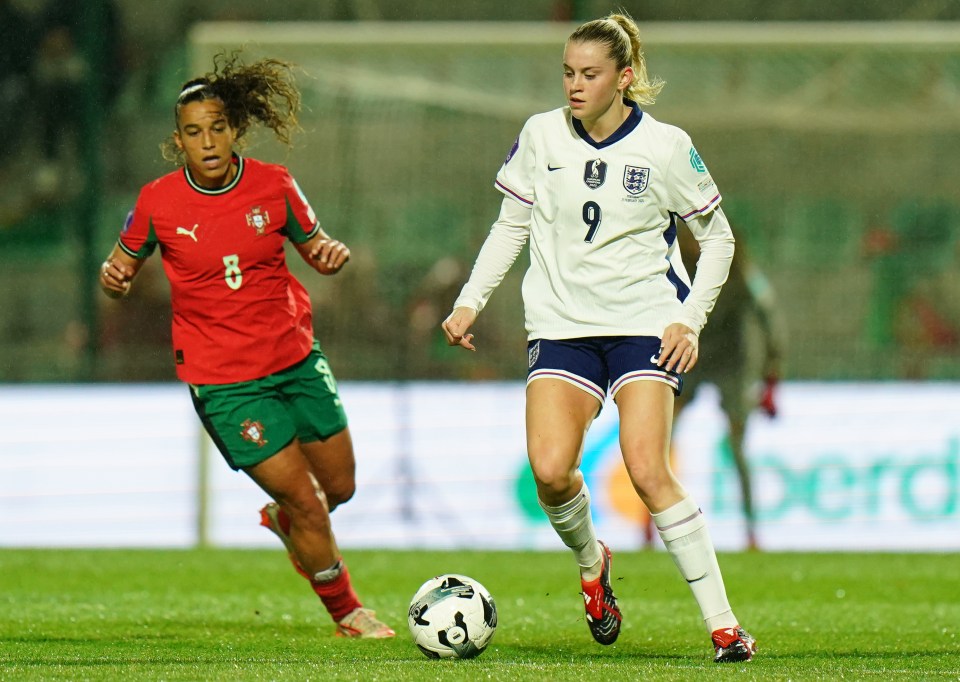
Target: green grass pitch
245, 615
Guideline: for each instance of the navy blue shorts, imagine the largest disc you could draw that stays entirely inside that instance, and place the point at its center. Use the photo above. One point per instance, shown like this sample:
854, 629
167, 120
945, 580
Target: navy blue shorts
599, 363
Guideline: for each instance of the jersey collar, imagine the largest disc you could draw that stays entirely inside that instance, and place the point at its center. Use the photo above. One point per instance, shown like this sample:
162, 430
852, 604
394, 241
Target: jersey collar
633, 120
237, 159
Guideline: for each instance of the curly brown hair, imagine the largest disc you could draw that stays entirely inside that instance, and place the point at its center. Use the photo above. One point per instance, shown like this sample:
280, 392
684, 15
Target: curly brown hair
263, 92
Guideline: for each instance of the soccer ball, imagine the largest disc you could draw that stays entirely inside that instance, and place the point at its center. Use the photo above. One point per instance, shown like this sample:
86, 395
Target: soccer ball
452, 616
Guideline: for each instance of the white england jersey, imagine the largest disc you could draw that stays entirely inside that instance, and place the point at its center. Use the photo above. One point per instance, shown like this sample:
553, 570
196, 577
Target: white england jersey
604, 259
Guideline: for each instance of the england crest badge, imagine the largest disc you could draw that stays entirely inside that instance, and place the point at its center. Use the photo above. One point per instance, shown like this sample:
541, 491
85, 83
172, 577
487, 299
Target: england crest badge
533, 354
635, 179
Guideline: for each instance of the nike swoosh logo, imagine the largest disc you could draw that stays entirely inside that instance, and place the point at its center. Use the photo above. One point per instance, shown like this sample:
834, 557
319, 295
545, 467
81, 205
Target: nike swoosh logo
654, 359
553, 168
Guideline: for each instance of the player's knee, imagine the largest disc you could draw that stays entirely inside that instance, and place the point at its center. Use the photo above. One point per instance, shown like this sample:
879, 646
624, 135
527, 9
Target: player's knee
553, 479
339, 493
649, 479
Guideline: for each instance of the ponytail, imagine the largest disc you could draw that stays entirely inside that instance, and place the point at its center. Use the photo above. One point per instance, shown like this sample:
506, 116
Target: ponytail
620, 35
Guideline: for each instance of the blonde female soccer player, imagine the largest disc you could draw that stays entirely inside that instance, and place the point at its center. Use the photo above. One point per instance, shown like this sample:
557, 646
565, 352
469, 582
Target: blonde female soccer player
242, 330
600, 188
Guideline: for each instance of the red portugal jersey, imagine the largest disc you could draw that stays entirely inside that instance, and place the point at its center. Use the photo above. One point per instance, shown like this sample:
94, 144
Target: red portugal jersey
238, 313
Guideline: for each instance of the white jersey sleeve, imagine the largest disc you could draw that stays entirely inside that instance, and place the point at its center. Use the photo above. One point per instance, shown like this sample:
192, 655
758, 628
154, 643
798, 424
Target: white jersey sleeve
716, 240
501, 248
692, 189
516, 176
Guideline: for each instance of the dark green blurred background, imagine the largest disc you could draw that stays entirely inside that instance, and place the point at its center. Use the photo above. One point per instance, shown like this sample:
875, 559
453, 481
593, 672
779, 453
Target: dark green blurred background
833, 143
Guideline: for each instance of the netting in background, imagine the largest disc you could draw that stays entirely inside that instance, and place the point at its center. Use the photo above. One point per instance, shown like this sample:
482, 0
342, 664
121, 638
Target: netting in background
833, 145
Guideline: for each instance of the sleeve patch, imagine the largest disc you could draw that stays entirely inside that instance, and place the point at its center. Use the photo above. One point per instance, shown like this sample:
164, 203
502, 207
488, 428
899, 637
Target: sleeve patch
513, 150
696, 162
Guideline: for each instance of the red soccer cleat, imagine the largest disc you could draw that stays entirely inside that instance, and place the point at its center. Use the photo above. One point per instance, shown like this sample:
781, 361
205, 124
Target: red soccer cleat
603, 614
733, 645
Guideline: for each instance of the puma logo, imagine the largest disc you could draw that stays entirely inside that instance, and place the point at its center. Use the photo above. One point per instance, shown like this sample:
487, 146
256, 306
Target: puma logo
189, 233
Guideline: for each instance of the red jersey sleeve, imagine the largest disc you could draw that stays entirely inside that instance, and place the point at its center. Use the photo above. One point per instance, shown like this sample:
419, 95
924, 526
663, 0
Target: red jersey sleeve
301, 223
137, 238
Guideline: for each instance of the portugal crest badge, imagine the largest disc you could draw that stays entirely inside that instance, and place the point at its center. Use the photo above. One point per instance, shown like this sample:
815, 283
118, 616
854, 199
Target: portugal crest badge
252, 432
258, 219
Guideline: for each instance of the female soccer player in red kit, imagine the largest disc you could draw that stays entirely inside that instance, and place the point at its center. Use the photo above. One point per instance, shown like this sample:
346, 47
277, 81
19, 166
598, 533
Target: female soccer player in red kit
242, 331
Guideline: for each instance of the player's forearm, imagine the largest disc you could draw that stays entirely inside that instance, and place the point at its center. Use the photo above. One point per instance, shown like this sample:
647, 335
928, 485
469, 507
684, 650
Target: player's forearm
716, 254
501, 248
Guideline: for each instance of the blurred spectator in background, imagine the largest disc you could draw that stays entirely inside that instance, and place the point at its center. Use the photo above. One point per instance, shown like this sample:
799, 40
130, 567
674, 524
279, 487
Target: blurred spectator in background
913, 299
743, 347
926, 322
428, 301
141, 321
65, 63
15, 55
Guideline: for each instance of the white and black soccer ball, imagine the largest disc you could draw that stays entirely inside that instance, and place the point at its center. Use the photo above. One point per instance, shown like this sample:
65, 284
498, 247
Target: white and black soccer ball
452, 616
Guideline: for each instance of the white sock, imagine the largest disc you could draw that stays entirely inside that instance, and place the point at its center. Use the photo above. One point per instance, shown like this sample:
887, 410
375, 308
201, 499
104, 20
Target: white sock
574, 525
684, 532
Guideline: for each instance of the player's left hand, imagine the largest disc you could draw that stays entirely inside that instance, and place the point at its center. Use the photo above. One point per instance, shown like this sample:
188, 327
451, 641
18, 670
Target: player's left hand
329, 255
768, 397
680, 348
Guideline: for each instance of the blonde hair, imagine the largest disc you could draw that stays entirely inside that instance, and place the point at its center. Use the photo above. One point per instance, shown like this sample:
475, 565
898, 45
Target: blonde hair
620, 35
263, 92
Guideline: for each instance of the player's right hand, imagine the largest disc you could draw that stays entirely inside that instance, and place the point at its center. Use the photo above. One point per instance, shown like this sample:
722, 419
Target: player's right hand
115, 278
456, 325
680, 348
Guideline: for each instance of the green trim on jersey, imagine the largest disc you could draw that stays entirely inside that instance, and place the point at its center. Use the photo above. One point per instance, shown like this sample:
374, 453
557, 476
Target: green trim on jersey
294, 230
149, 245
219, 190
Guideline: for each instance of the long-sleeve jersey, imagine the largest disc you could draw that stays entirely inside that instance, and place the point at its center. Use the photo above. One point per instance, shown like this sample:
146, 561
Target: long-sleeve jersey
602, 220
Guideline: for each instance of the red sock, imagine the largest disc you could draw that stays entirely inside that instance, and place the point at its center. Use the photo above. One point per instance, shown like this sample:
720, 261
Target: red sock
337, 595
